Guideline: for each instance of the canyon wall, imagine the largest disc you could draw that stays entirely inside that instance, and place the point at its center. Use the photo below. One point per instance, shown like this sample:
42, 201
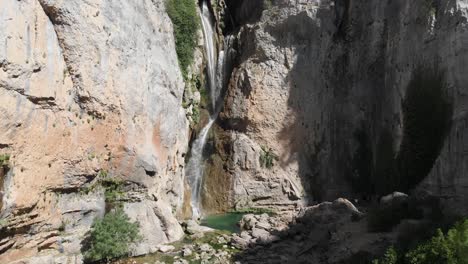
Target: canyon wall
89, 90
321, 89
327, 98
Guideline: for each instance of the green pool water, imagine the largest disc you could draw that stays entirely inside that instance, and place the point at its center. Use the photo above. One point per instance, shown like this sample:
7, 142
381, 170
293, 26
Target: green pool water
226, 221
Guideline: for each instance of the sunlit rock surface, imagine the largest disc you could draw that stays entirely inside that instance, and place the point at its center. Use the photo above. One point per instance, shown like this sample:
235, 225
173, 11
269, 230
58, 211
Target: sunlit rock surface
88, 86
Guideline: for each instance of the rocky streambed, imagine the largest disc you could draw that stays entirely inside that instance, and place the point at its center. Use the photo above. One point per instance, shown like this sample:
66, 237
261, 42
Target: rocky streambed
329, 232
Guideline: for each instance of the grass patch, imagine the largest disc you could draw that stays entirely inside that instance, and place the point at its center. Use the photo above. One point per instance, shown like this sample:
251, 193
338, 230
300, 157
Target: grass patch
184, 17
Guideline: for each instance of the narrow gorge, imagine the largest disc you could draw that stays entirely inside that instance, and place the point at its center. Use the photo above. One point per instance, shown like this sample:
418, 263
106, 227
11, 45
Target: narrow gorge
233, 131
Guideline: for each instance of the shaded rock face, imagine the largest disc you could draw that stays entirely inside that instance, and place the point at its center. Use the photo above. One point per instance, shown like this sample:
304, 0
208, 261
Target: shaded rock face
329, 232
88, 86
322, 85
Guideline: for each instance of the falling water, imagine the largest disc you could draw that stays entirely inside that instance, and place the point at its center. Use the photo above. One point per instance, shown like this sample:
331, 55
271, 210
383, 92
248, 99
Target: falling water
207, 26
194, 170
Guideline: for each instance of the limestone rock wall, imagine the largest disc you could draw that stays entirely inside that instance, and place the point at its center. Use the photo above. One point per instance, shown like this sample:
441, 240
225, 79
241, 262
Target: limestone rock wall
88, 87
313, 75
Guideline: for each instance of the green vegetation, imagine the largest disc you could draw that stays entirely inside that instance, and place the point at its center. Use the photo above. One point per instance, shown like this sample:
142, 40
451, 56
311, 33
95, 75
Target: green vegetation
113, 188
431, 6
111, 237
390, 257
267, 4
4, 160
210, 238
195, 115
267, 158
183, 14
253, 210
3, 222
446, 248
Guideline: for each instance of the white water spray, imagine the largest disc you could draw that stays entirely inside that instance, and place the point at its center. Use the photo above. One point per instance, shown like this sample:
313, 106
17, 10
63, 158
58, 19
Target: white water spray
207, 26
195, 167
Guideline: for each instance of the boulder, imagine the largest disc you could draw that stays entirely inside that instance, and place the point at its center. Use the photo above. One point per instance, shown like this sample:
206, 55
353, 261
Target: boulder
166, 248
393, 197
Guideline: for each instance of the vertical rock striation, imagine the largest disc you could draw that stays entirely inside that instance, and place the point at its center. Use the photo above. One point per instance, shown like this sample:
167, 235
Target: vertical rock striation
322, 85
88, 88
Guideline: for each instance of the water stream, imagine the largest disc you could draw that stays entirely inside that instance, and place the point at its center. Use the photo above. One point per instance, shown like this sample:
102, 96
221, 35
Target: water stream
195, 168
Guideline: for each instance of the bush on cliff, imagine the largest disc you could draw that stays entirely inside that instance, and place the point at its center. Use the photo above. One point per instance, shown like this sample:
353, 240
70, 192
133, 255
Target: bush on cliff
267, 158
183, 14
110, 237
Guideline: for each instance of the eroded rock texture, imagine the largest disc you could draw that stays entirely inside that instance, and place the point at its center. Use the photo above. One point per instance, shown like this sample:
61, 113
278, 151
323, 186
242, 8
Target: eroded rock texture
323, 84
88, 87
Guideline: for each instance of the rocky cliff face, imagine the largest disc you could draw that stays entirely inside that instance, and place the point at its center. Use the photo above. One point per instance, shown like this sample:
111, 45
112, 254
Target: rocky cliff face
327, 98
330, 89
88, 89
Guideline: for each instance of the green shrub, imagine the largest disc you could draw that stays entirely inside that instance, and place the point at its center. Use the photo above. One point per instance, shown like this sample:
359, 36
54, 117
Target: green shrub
267, 158
449, 248
390, 257
4, 159
267, 4
113, 190
183, 14
111, 237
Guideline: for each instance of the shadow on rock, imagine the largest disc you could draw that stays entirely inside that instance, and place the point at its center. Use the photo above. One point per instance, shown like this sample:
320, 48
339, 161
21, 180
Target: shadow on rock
330, 232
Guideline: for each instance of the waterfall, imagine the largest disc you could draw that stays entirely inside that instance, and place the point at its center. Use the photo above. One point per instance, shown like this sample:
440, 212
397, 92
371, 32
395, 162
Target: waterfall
210, 48
195, 168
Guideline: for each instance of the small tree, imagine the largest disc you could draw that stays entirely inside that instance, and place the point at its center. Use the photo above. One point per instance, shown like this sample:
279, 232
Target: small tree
390, 257
111, 237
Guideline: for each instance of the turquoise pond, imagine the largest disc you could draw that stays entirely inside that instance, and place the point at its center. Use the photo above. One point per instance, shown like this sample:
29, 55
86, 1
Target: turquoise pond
226, 221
